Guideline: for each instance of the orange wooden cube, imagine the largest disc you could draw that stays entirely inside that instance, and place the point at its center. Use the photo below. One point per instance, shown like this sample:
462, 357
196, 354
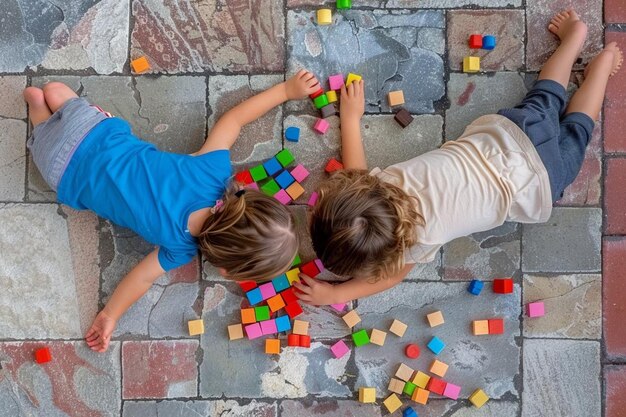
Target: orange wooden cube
140, 65
295, 190
275, 303
272, 346
395, 98
248, 316
235, 332
420, 396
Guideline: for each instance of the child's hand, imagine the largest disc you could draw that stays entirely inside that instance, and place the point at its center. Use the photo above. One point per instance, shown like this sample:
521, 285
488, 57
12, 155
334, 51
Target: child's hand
301, 85
352, 100
314, 292
99, 335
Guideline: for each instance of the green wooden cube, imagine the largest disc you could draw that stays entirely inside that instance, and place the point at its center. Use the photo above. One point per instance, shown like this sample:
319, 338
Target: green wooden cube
409, 387
258, 173
344, 4
360, 338
262, 313
296, 261
320, 101
270, 188
285, 157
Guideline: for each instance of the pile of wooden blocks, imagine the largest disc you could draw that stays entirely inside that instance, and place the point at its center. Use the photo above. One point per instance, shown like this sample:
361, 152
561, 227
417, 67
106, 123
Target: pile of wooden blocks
487, 42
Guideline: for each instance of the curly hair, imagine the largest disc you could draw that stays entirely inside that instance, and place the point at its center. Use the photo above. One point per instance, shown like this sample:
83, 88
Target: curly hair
252, 236
361, 225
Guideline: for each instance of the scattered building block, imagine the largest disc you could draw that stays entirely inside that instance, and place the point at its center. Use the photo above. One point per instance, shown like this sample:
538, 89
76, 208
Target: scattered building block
398, 328
296, 261
404, 372
299, 173
254, 296
272, 166
480, 327
331, 96
352, 318
293, 340
335, 82
409, 412
301, 327
436, 385
476, 41
339, 307
280, 283
378, 337
436, 345
395, 98
328, 110
310, 269
471, 64
489, 42
420, 396
321, 126
244, 177
43, 355
248, 315
421, 379
292, 134
285, 179
247, 285
435, 319
403, 117
339, 349
140, 65
275, 303
452, 391
367, 394
235, 332
289, 295
316, 94
319, 264
475, 287
360, 338
262, 313
324, 17
351, 78
252, 186
305, 341
285, 157
268, 327
392, 403
536, 309
313, 199
253, 331
409, 388
320, 101
272, 346
267, 290
496, 326
412, 351
344, 4
333, 165
258, 173
438, 368
270, 187
295, 190
503, 286
396, 385
283, 323
478, 398
293, 310
293, 275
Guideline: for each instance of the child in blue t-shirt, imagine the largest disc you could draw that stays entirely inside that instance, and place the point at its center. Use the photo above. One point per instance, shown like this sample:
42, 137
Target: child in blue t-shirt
93, 161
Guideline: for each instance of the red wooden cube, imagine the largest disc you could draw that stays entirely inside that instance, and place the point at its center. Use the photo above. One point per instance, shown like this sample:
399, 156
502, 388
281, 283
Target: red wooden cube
289, 295
321, 91
310, 269
247, 285
496, 326
333, 165
503, 286
436, 385
43, 355
305, 341
244, 177
476, 41
293, 340
293, 310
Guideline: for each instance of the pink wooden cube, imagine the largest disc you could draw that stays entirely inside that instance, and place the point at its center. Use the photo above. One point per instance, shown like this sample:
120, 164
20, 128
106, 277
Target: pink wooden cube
268, 327
267, 290
319, 265
339, 307
252, 186
536, 309
299, 173
339, 349
283, 197
321, 126
312, 199
452, 391
253, 331
335, 81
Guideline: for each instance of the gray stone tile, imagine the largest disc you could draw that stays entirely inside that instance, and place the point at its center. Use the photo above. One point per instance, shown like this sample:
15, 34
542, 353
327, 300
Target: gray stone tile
454, 3
472, 96
491, 409
12, 138
562, 378
486, 255
71, 35
12, 105
548, 247
489, 362
199, 408
381, 46
329, 408
573, 306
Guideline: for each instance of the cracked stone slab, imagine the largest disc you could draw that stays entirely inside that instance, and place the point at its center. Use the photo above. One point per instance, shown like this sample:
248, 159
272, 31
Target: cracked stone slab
449, 408
506, 25
69, 35
159, 369
259, 140
485, 255
548, 247
489, 362
565, 377
199, 408
330, 408
425, 4
388, 48
573, 306
78, 381
541, 43
295, 373
12, 138
472, 96
241, 36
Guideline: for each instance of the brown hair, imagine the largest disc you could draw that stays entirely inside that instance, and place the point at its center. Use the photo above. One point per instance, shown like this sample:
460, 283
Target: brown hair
252, 236
361, 225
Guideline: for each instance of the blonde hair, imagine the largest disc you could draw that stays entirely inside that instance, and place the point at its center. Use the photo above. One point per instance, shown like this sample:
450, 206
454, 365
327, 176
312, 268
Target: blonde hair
252, 236
361, 225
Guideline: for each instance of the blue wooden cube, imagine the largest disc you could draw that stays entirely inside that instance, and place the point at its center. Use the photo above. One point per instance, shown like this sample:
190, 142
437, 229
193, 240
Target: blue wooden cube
292, 134
409, 412
475, 287
285, 179
489, 42
254, 296
280, 283
283, 324
272, 166
436, 345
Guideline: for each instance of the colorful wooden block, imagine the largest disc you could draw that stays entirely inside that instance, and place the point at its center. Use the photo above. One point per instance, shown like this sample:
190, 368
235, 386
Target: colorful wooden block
392, 403
254, 296
436, 385
140, 65
299, 173
480, 327
378, 337
235, 332
293, 275
344, 4
351, 78
489, 42
476, 41
421, 379
292, 134
272, 166
43, 355
436, 345
409, 388
301, 327
283, 197
272, 346
335, 82
305, 341
275, 303
409, 412
267, 290
478, 398
268, 327
420, 396
396, 385
352, 318
333, 165
289, 295
503, 286
496, 326
339, 349
404, 372
435, 319
247, 285
293, 309
285, 179
452, 391
471, 64
262, 313
296, 261
360, 338
367, 394
321, 126
293, 340
252, 186
310, 269
313, 199
331, 96
258, 173
438, 368
536, 309
248, 316
244, 177
253, 331
316, 93
328, 110
395, 98
320, 101
398, 328
280, 283
339, 307
403, 117
412, 351
283, 324
270, 187
285, 157
295, 190
475, 287
324, 17
319, 264
196, 327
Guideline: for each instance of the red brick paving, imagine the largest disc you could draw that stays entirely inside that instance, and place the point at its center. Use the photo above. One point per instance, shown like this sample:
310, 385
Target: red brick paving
614, 11
614, 297
615, 104
615, 387
615, 197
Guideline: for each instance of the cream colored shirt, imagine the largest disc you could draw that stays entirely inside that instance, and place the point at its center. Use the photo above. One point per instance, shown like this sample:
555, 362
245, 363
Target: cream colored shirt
490, 175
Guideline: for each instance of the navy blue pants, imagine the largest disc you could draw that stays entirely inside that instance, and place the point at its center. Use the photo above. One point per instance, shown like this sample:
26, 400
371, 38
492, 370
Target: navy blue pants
560, 139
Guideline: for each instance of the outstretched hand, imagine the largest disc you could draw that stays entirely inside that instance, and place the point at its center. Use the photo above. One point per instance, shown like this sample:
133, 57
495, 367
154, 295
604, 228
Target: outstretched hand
99, 334
353, 100
301, 85
314, 292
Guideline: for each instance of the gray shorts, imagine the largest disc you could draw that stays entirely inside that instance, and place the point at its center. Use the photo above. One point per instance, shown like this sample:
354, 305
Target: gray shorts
54, 141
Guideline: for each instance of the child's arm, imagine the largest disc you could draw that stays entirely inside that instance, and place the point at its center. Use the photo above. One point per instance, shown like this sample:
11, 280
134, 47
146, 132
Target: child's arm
319, 293
227, 128
132, 287
352, 109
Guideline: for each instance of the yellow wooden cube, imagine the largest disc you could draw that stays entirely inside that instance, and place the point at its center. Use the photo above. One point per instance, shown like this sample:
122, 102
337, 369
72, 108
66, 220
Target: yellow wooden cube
324, 17
352, 318
438, 368
471, 64
395, 98
300, 327
395, 385
421, 379
196, 327
377, 337
367, 395
331, 96
235, 332
398, 328
293, 275
420, 396
478, 398
435, 319
480, 327
404, 372
392, 403
352, 77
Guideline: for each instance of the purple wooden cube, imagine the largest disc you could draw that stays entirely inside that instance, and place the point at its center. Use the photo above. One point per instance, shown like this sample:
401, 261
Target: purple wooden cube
268, 327
253, 331
335, 82
267, 290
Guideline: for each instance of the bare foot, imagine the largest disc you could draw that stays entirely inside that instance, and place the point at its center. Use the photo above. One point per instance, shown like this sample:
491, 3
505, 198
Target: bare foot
567, 26
609, 60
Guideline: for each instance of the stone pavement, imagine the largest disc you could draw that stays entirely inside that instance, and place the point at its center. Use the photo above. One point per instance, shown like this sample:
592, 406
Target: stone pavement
59, 266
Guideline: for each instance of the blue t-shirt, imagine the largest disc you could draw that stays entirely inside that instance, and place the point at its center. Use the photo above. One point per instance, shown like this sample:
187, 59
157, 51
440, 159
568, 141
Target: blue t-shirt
135, 185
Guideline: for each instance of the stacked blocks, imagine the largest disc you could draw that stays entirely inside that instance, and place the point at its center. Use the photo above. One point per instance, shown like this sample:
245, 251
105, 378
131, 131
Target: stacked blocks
360, 338
503, 286
536, 309
436, 345
339, 349
43, 355
324, 17
321, 126
196, 327
367, 394
398, 328
475, 287
403, 117
471, 64
478, 398
292, 134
